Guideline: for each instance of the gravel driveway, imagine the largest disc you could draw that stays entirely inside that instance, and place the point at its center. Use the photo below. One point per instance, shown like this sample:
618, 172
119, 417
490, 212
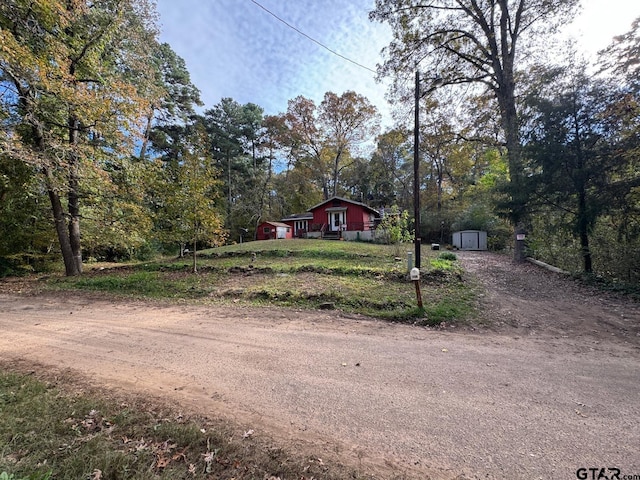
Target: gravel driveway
545, 382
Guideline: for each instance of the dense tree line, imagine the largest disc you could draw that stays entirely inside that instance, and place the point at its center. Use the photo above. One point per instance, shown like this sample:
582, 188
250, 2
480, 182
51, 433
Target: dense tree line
550, 148
107, 152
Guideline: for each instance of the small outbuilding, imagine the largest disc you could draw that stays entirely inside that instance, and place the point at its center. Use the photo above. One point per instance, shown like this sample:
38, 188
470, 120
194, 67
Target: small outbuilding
273, 230
470, 240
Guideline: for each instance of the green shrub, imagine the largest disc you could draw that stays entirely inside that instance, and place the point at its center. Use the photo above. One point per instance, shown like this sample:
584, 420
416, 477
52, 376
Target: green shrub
26, 263
145, 252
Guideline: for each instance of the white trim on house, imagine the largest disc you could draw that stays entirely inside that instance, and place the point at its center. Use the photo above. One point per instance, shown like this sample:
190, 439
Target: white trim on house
337, 217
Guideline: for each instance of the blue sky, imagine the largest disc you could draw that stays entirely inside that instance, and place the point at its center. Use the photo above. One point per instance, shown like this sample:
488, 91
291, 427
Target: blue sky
233, 48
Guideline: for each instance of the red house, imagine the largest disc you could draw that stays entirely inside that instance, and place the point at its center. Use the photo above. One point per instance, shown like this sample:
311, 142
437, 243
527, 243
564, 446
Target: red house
273, 230
336, 218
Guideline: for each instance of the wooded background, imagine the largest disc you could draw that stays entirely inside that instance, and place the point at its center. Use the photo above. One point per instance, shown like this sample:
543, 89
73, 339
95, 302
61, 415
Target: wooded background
107, 152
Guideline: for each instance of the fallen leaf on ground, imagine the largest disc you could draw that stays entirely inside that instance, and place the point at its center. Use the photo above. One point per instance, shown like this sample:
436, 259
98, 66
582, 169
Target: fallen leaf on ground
180, 456
162, 462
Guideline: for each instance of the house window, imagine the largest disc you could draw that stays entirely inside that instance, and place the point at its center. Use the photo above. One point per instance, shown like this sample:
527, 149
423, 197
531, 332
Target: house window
266, 230
336, 219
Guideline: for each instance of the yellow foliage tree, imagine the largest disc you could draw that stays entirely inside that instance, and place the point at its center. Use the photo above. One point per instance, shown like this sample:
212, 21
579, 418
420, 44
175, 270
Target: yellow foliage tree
72, 74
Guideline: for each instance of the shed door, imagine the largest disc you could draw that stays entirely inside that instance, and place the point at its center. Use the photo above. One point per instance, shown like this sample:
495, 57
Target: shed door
470, 241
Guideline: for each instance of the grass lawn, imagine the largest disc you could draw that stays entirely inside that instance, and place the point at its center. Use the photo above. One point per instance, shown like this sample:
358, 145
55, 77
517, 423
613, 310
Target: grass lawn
355, 277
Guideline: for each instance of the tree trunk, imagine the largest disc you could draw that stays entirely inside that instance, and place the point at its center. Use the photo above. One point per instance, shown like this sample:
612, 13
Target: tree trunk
336, 170
229, 219
73, 195
583, 227
60, 224
325, 189
586, 253
147, 135
70, 265
440, 175
511, 127
265, 196
195, 262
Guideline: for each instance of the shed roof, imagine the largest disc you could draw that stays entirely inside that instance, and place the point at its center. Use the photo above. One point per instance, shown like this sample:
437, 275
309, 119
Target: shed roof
276, 224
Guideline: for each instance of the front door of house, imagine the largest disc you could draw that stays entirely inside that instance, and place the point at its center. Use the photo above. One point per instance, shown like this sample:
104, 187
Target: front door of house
336, 220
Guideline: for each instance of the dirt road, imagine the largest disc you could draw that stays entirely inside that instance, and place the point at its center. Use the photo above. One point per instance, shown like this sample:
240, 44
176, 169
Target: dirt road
547, 381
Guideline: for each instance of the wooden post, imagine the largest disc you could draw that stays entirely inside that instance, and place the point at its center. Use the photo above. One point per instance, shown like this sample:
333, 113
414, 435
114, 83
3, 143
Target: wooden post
520, 244
414, 275
418, 293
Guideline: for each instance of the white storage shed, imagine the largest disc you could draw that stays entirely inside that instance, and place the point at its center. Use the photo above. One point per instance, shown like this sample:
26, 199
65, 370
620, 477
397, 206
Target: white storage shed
470, 240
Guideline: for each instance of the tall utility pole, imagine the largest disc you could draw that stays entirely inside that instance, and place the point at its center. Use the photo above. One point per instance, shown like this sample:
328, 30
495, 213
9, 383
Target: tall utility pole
416, 172
435, 83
